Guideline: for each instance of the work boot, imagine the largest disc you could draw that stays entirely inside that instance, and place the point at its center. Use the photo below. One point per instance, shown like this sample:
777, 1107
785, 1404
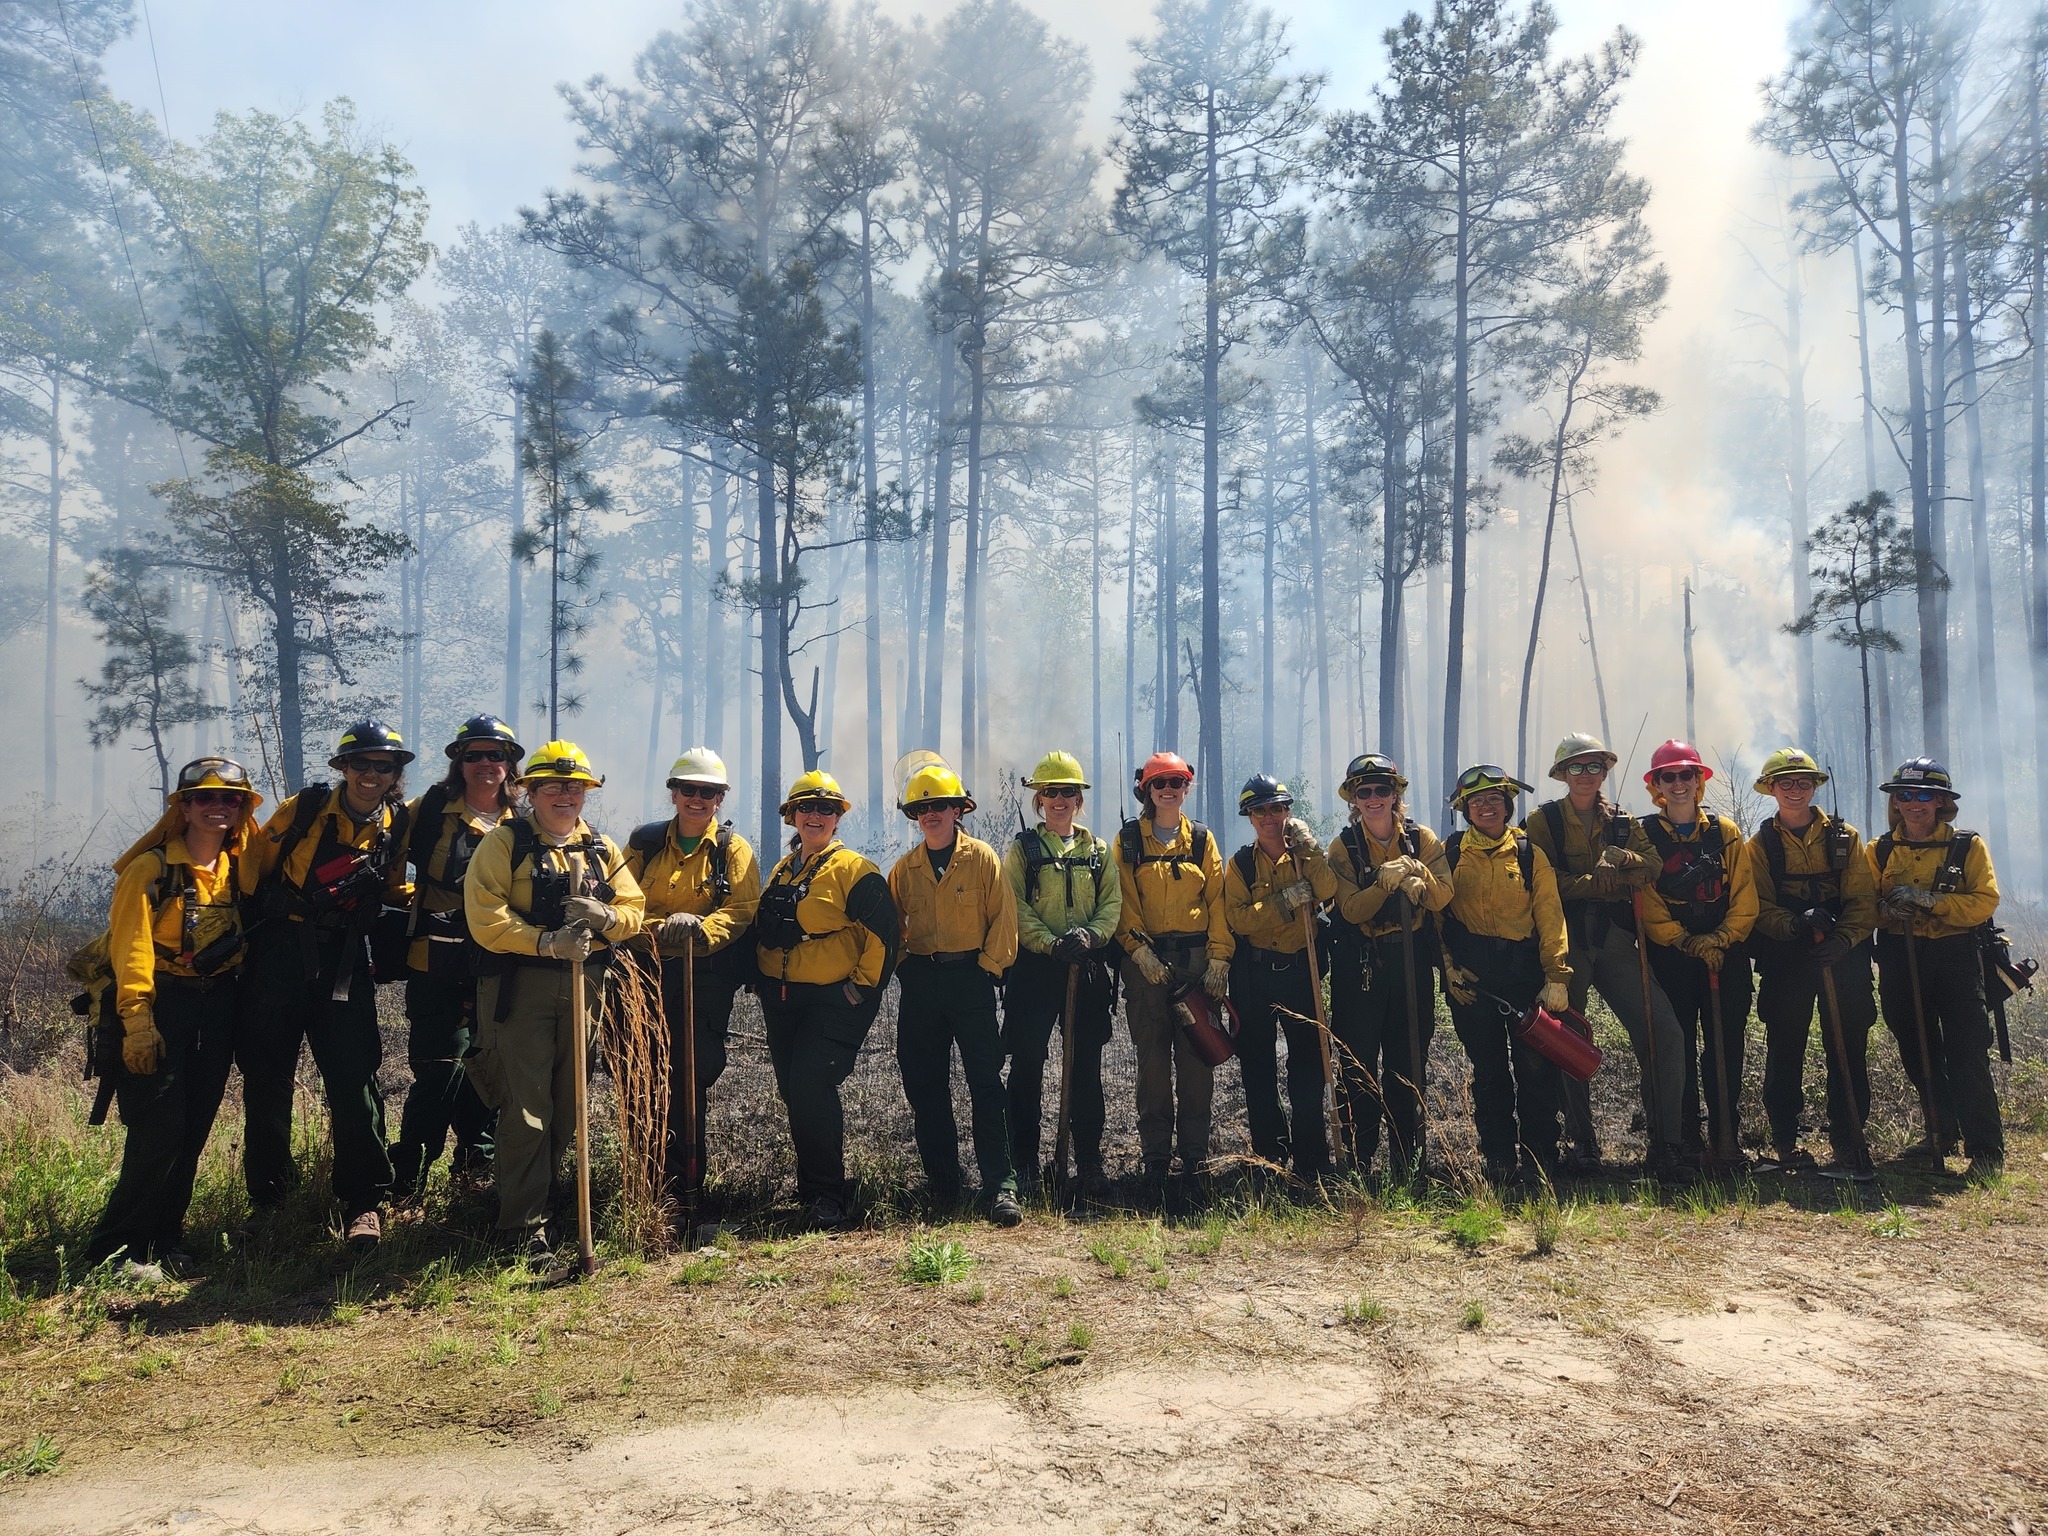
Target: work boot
1794, 1159
1983, 1170
1156, 1175
1928, 1150
827, 1211
365, 1231
1582, 1161
1004, 1211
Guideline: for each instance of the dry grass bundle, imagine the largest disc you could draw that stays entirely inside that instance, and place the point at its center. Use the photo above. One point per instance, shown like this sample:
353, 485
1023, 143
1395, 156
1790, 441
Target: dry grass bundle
636, 1044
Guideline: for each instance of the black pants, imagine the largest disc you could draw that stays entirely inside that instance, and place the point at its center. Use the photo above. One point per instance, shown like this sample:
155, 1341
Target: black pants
440, 1017
1369, 1016
1514, 1090
1274, 999
1788, 991
168, 1116
814, 1038
1959, 1036
1033, 999
712, 991
944, 1006
280, 1007
1686, 982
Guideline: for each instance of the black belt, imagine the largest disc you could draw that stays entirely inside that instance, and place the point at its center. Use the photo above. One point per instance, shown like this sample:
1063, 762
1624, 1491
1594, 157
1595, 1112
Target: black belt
1279, 960
168, 981
1179, 943
946, 957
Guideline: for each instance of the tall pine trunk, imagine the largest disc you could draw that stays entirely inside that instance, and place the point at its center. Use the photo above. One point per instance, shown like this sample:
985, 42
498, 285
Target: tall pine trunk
1169, 609
1990, 729
1461, 460
942, 538
1880, 663
871, 546
1796, 494
1326, 766
1130, 738
1933, 647
1393, 543
1209, 685
714, 614
515, 567
52, 546
1095, 597
1266, 648
2037, 486
1557, 450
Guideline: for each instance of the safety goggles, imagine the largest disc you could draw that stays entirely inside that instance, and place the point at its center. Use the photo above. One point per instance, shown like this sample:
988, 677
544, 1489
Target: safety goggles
1372, 792
1061, 792
1586, 770
230, 797
1168, 781
378, 767
1917, 796
694, 791
485, 755
226, 769
1677, 775
1485, 776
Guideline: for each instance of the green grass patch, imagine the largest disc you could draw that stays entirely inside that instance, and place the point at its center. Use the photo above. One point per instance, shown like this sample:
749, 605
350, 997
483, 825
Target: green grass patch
35, 1457
937, 1261
1475, 1224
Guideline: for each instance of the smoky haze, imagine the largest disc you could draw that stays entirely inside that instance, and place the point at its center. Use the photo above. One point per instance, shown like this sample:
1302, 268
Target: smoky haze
1691, 503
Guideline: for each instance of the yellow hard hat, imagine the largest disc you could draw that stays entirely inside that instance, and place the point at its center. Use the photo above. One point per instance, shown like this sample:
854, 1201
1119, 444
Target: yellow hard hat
1784, 761
558, 762
1575, 746
816, 785
698, 765
1482, 777
1057, 768
933, 786
216, 773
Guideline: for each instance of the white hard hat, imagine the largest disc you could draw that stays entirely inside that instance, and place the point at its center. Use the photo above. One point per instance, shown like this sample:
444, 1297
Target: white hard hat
699, 765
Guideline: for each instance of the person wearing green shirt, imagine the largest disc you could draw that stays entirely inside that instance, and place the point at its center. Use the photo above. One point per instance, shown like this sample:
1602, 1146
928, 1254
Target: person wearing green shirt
1068, 901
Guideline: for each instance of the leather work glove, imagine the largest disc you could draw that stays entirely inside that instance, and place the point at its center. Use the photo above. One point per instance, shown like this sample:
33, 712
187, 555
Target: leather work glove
566, 944
1298, 895
1400, 867
587, 912
1300, 836
141, 1045
1460, 983
1830, 950
1820, 922
1415, 887
1216, 979
1704, 948
1555, 996
1633, 870
1149, 965
1072, 947
1907, 900
678, 930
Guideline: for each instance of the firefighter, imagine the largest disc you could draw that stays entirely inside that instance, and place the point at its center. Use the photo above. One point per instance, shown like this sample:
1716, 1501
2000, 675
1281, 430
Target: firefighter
1587, 839
1063, 880
1390, 870
702, 885
1816, 909
1504, 951
446, 825
319, 873
1698, 912
1173, 935
174, 945
1935, 890
959, 937
543, 893
828, 934
1267, 886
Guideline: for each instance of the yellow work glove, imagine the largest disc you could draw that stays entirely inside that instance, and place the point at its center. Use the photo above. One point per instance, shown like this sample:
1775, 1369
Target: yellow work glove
1555, 996
1296, 896
1397, 869
141, 1045
1703, 947
1216, 979
1300, 836
1460, 983
1149, 965
1415, 887
565, 944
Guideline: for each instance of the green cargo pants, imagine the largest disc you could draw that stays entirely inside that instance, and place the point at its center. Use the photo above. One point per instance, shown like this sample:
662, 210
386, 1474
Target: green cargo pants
524, 1067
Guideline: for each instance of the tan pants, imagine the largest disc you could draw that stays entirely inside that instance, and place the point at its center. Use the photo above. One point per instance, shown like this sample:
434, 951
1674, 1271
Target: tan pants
1168, 1067
525, 1068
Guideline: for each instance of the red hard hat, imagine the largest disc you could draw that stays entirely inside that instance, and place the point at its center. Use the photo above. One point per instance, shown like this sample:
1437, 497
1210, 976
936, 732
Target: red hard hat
1676, 754
1164, 762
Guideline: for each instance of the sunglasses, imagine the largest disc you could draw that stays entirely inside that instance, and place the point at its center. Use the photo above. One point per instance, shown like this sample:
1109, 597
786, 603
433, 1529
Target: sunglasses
1794, 781
1585, 770
559, 787
1487, 797
1373, 792
213, 797
484, 755
1917, 796
226, 769
1061, 792
1270, 810
1677, 775
816, 808
1169, 781
383, 768
695, 791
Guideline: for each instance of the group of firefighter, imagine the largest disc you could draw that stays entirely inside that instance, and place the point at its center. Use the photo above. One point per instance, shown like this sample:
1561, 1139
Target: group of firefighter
232, 943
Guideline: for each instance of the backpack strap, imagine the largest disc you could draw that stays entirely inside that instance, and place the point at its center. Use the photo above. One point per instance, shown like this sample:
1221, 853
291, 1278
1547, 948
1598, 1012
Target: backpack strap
1768, 833
1950, 876
1525, 854
1247, 861
433, 806
1031, 846
1553, 819
647, 838
1882, 849
312, 800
